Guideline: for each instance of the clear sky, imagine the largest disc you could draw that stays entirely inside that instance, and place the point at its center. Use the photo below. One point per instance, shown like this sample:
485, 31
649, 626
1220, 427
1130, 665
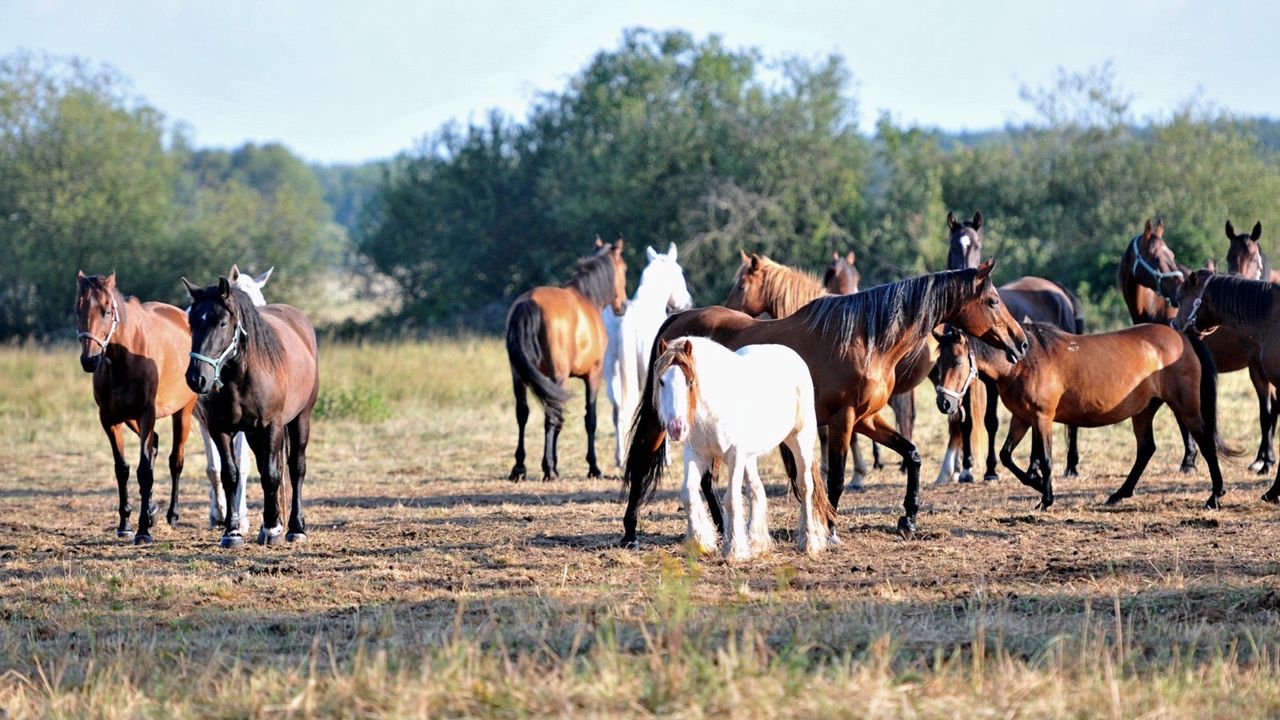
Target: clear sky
349, 81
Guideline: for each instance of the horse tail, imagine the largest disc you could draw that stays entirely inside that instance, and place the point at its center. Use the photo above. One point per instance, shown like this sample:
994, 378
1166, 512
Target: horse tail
1209, 395
647, 452
823, 511
1077, 309
524, 351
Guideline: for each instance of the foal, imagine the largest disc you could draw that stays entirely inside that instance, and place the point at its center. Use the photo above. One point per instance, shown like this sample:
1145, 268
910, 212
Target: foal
701, 401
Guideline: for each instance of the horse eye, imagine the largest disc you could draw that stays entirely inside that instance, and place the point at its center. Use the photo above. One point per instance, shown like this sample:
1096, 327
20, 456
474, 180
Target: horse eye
993, 302
662, 383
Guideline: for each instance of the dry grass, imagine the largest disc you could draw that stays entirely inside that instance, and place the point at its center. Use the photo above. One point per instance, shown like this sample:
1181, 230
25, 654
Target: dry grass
432, 586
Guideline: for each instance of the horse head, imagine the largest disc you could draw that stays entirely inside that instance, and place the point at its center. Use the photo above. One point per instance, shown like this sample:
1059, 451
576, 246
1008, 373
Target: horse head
983, 314
747, 294
665, 276
1154, 266
1245, 257
217, 332
965, 242
98, 313
677, 387
841, 276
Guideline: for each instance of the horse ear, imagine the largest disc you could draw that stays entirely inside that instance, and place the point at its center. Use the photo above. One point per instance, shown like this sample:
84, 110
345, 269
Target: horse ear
599, 242
835, 256
743, 253
671, 252
224, 287
1159, 227
650, 253
951, 220
984, 270
755, 262
80, 277
617, 245
977, 220
1210, 265
1146, 230
940, 336
850, 258
1231, 231
111, 279
264, 277
662, 346
1257, 231
191, 289
234, 275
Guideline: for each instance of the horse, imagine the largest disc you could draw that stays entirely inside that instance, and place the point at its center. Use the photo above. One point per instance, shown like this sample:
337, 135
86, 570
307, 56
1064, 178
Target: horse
1245, 257
700, 402
1149, 278
762, 286
1210, 304
1090, 381
134, 351
852, 345
662, 291
1028, 298
257, 371
251, 286
554, 333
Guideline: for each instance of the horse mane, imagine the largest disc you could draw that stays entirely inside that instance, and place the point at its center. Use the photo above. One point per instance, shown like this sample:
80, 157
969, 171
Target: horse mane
1241, 298
593, 277
263, 343
786, 288
882, 315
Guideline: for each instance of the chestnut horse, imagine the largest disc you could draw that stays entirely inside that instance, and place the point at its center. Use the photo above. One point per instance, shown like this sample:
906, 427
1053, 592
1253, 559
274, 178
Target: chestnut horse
852, 345
555, 333
257, 372
1149, 277
1209, 303
135, 351
1028, 298
1090, 381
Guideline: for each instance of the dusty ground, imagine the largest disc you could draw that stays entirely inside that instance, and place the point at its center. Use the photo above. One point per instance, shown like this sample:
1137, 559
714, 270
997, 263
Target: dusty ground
418, 543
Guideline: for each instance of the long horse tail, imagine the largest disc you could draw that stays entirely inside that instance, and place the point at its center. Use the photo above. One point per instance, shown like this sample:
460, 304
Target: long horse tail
1209, 396
524, 351
647, 452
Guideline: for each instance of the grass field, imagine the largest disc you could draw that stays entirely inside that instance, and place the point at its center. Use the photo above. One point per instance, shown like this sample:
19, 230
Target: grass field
432, 586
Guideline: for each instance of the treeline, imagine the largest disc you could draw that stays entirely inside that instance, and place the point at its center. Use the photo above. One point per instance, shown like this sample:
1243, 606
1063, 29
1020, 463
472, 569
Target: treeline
664, 138
667, 138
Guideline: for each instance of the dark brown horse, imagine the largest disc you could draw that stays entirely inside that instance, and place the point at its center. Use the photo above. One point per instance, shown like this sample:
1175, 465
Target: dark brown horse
136, 352
1090, 381
1245, 257
852, 345
1028, 298
1150, 277
555, 333
1210, 304
841, 276
257, 372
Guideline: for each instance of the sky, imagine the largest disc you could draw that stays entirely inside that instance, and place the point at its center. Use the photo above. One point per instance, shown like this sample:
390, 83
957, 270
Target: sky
341, 81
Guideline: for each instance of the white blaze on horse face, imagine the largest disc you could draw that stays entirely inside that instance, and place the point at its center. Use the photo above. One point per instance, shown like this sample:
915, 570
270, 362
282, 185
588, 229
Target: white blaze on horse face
965, 241
673, 403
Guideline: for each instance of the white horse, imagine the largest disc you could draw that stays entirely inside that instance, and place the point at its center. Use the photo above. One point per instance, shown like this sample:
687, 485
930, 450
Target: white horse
213, 466
732, 408
662, 290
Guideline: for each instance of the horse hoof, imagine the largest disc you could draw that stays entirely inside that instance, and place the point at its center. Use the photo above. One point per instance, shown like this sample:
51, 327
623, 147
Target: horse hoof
629, 542
231, 542
294, 537
1187, 468
594, 474
906, 526
1116, 498
1273, 498
517, 474
966, 477
551, 477
172, 520
124, 534
1071, 473
273, 536
143, 540
1211, 503
1045, 504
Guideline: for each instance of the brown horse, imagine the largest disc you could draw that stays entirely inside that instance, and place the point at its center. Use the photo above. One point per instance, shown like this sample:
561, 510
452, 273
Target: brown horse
1210, 304
852, 345
257, 372
841, 276
1090, 381
1150, 277
136, 352
554, 334
1245, 257
1028, 298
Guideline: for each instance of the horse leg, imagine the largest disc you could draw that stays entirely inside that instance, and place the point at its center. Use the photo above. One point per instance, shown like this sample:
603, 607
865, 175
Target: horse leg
859, 464
232, 535
947, 468
758, 535
1017, 430
115, 434
878, 429
240, 446
1073, 452
522, 417
991, 423
146, 476
592, 382
709, 494
839, 433
811, 537
1189, 451
735, 541
699, 531
299, 433
1146, 442
1042, 451
268, 447
904, 413
177, 458
1266, 457
213, 470
976, 397
550, 459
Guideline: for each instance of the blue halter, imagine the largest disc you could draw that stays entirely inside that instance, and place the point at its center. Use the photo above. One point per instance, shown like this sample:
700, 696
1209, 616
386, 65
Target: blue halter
226, 355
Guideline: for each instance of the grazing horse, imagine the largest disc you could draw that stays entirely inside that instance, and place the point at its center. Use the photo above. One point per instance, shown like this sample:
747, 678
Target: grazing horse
700, 402
852, 345
1150, 277
662, 291
1090, 381
213, 464
1028, 298
1210, 304
257, 372
554, 333
135, 351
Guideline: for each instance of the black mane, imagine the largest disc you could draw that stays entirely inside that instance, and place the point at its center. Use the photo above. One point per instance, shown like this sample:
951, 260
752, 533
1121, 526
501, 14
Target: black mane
260, 340
1240, 298
594, 276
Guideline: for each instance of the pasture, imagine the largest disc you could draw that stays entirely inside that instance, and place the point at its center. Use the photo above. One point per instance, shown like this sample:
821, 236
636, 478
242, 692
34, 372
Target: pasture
433, 586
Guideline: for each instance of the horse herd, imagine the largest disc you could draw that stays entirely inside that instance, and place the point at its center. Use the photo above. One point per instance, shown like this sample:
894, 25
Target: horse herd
727, 384
731, 386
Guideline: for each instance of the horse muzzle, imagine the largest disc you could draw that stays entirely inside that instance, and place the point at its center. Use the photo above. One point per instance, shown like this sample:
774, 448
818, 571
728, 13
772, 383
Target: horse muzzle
678, 429
1017, 350
946, 405
90, 363
199, 381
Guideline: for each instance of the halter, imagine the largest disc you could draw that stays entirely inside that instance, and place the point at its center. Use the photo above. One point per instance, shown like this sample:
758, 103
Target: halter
1139, 261
115, 323
1190, 322
226, 355
958, 395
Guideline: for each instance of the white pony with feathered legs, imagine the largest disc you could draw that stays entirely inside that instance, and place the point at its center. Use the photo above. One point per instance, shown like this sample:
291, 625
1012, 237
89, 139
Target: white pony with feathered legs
662, 291
252, 286
733, 407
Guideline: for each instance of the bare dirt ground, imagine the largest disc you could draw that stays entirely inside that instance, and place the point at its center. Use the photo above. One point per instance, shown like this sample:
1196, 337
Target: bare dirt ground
431, 585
